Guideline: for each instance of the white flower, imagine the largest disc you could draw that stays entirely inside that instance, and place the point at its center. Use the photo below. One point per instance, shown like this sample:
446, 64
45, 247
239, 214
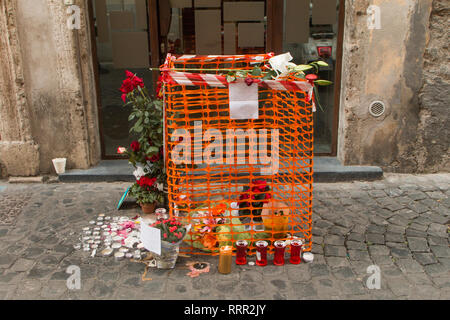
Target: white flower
281, 62
139, 172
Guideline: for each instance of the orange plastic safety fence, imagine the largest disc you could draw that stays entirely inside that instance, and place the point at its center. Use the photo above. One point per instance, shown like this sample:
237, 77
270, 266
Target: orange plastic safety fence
226, 201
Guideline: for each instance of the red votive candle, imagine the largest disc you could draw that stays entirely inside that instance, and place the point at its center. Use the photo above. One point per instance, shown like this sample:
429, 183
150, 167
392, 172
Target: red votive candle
296, 249
241, 254
280, 247
261, 253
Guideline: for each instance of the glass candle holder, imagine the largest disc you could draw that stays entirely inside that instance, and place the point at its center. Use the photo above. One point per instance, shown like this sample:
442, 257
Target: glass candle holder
225, 258
280, 247
296, 249
241, 254
261, 253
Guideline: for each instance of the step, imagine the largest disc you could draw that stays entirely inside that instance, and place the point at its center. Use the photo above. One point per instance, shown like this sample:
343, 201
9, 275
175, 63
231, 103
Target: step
326, 169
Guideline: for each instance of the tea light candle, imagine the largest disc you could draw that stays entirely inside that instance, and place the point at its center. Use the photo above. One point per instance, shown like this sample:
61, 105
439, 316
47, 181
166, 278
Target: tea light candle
92, 222
116, 245
308, 257
124, 250
107, 252
119, 256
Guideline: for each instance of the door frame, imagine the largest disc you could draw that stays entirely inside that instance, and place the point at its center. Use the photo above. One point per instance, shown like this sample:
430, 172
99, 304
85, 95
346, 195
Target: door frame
274, 43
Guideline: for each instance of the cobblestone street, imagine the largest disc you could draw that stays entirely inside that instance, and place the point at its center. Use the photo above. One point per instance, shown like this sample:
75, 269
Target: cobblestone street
399, 224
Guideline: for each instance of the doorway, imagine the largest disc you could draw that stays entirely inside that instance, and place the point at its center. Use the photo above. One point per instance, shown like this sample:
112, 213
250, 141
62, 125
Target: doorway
137, 34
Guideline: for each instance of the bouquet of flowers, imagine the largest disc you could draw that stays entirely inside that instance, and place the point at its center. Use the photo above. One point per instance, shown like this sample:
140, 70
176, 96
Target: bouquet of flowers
172, 230
146, 191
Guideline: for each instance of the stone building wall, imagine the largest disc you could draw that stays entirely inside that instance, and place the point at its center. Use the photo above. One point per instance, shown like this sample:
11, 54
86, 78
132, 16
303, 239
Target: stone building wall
48, 105
404, 64
47, 88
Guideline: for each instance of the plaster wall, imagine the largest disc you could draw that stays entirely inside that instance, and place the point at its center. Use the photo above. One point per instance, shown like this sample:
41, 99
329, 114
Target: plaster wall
388, 64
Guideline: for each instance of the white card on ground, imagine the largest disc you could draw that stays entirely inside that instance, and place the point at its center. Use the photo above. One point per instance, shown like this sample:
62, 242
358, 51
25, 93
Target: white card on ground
151, 238
243, 101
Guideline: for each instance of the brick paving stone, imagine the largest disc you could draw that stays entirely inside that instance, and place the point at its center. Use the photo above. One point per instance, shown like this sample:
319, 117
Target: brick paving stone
409, 265
417, 207
436, 269
394, 237
425, 258
356, 245
436, 229
438, 241
378, 250
359, 255
374, 238
334, 240
437, 195
441, 251
335, 251
376, 229
418, 244
337, 262
398, 220
416, 195
415, 233
400, 252
22, 265
356, 237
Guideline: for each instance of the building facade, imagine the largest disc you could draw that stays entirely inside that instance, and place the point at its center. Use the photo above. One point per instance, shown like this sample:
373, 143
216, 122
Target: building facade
61, 63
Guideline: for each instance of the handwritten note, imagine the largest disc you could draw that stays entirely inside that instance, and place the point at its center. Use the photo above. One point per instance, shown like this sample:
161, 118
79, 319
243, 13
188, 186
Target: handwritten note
151, 238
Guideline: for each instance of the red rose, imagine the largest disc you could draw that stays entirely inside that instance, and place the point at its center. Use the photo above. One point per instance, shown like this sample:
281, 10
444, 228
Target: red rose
129, 74
249, 81
155, 158
124, 97
146, 182
137, 82
127, 86
135, 146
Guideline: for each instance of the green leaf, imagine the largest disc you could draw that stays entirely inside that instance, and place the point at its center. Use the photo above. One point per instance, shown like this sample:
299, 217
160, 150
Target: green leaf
256, 71
323, 82
322, 63
302, 67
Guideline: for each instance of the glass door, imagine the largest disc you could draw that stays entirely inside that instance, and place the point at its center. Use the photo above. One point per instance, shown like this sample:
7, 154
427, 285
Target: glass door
122, 42
312, 32
212, 27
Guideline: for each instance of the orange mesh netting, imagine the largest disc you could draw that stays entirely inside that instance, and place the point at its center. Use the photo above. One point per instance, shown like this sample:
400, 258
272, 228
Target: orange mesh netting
228, 201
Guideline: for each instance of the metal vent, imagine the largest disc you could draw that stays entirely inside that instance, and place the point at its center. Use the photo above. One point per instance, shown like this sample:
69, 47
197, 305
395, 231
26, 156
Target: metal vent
377, 108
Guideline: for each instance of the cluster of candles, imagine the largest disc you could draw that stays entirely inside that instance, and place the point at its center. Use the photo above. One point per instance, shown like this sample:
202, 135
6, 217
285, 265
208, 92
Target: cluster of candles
261, 252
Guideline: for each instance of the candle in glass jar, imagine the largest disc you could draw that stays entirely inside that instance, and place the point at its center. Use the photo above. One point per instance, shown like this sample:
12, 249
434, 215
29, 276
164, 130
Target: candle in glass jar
241, 254
225, 258
296, 248
280, 247
261, 253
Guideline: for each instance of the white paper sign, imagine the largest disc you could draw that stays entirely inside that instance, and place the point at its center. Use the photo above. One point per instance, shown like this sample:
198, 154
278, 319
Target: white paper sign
151, 238
243, 101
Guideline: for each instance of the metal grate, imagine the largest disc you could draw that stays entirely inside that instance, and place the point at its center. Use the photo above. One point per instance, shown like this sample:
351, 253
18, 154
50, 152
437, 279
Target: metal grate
377, 108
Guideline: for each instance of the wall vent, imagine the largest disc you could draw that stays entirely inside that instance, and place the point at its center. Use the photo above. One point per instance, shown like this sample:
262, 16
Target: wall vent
377, 108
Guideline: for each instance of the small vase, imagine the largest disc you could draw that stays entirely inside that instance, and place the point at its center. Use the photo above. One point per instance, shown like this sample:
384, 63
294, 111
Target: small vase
169, 255
148, 208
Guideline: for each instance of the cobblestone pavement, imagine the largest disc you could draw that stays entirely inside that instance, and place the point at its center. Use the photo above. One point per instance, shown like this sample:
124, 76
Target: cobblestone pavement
399, 224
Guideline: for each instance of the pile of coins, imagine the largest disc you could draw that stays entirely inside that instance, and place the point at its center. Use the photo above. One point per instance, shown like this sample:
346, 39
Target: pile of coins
112, 236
